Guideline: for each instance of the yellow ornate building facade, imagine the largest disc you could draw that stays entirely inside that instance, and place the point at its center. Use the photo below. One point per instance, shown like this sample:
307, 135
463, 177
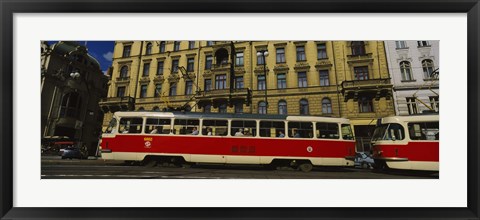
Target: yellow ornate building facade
325, 78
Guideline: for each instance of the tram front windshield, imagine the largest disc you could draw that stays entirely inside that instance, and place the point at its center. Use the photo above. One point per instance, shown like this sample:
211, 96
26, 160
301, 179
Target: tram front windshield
392, 131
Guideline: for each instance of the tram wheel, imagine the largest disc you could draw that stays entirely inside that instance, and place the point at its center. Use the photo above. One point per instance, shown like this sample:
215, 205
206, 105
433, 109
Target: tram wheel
306, 167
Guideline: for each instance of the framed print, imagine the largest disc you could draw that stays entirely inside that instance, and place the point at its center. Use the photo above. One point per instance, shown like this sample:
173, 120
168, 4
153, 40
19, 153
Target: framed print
261, 77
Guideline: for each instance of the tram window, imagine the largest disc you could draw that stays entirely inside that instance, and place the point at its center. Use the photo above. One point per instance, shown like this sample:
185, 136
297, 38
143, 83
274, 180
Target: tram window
347, 133
158, 126
327, 130
131, 125
272, 129
112, 126
185, 126
215, 127
392, 131
243, 128
424, 130
300, 129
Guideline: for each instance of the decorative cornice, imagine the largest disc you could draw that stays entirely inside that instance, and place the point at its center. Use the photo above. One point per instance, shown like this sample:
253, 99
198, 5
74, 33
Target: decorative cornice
324, 63
280, 68
301, 66
173, 78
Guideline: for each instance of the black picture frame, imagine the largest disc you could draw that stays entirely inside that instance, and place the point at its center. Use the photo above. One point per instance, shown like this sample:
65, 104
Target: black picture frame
10, 7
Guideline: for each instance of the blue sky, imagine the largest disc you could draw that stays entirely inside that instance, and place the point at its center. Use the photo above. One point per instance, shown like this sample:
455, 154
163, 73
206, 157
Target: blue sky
101, 50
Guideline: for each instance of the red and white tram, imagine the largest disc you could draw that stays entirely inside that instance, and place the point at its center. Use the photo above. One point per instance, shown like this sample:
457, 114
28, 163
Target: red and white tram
186, 138
407, 142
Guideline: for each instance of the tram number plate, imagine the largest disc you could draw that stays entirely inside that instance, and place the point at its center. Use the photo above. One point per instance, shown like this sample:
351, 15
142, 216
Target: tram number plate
243, 149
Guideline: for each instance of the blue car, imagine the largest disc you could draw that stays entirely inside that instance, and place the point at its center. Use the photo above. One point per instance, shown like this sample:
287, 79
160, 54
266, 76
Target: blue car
74, 153
363, 160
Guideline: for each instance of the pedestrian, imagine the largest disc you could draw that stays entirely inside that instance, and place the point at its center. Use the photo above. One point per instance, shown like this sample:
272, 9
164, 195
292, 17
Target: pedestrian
209, 131
281, 134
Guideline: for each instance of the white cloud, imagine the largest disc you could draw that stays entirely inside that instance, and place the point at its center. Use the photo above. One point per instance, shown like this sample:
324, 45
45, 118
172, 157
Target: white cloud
108, 56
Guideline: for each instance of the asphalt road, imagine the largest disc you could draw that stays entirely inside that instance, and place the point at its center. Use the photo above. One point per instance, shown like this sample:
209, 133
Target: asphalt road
56, 168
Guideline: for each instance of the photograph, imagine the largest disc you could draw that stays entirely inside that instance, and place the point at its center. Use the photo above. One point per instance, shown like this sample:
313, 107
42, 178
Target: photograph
274, 109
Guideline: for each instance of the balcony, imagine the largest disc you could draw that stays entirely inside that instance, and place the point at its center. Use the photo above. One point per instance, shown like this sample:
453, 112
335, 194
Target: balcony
122, 79
380, 87
113, 104
360, 58
219, 67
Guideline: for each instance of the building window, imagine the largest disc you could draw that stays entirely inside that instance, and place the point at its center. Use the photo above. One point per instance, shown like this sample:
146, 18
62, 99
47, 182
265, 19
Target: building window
190, 64
208, 63
162, 46
261, 82
71, 105
160, 68
173, 89
158, 90
208, 84
176, 45
126, 50
238, 108
188, 87
239, 82
281, 55
302, 79
143, 91
209, 43
207, 108
282, 107
361, 72
124, 72
324, 78
412, 105
149, 49
423, 43
191, 44
146, 69
239, 59
221, 82
358, 48
304, 107
262, 107
427, 66
260, 60
301, 53
326, 106
406, 70
435, 103
322, 51
121, 91
401, 44
174, 66
281, 81
222, 108
365, 104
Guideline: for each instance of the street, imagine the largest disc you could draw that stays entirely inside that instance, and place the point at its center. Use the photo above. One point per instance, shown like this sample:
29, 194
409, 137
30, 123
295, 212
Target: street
56, 168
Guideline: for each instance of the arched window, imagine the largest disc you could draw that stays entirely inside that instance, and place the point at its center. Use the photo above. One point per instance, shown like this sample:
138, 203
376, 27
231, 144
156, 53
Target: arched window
70, 106
427, 68
141, 109
406, 70
358, 48
162, 46
207, 108
282, 107
222, 108
156, 108
303, 107
262, 107
326, 106
149, 49
124, 72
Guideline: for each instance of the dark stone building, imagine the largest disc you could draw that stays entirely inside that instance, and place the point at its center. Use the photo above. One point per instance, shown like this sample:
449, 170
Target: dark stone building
72, 85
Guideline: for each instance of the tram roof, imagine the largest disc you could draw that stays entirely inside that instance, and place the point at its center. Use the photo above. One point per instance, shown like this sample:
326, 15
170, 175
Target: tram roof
227, 115
410, 118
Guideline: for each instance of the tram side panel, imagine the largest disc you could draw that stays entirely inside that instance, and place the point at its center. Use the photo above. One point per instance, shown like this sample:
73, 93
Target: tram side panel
228, 149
